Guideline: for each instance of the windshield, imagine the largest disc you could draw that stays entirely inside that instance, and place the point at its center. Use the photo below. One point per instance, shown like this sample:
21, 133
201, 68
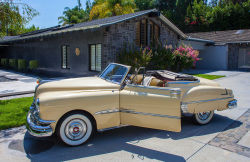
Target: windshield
114, 73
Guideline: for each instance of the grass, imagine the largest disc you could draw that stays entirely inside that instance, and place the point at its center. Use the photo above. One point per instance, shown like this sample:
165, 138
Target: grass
206, 76
13, 112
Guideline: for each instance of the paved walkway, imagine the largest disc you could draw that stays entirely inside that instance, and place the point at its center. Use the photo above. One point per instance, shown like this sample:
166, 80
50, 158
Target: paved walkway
217, 141
16, 82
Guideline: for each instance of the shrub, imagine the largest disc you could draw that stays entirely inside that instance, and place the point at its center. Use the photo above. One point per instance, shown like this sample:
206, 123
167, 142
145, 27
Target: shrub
162, 57
21, 65
4, 62
33, 64
13, 63
134, 57
184, 57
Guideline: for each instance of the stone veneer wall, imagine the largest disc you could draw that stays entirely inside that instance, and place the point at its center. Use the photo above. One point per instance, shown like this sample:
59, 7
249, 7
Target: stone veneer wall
233, 55
122, 33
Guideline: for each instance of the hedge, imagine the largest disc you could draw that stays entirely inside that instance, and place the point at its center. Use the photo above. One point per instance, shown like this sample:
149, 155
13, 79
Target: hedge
33, 64
4, 62
21, 64
13, 63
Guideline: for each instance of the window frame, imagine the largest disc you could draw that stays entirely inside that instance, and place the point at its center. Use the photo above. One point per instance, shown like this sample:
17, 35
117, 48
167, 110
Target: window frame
67, 56
95, 57
149, 37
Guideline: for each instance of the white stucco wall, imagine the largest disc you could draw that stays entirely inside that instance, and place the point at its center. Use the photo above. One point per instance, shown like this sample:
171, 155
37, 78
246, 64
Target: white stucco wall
213, 57
194, 44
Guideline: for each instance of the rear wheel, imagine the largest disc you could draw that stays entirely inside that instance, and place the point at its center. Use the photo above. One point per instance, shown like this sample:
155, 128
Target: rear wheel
75, 129
203, 118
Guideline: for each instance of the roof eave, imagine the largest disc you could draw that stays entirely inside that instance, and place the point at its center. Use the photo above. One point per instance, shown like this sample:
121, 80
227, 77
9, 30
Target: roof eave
76, 29
200, 40
173, 27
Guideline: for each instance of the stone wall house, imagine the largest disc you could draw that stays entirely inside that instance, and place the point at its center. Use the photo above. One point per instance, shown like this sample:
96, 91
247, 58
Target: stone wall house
87, 48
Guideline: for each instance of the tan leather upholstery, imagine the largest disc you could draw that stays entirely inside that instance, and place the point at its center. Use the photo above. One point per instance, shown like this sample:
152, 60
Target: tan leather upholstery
156, 82
137, 79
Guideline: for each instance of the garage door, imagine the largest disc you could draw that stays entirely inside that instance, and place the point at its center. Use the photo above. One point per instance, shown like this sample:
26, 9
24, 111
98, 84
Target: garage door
244, 57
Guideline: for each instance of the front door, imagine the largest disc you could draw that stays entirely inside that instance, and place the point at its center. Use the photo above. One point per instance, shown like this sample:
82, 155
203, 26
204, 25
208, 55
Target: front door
151, 107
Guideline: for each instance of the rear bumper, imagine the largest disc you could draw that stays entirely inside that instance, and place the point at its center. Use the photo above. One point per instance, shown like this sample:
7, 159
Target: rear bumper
36, 128
232, 104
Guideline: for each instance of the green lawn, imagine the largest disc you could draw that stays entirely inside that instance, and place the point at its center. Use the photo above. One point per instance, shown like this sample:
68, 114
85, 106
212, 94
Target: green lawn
13, 112
206, 76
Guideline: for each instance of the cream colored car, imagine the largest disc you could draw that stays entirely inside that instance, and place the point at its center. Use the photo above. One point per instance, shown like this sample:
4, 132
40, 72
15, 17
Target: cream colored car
75, 108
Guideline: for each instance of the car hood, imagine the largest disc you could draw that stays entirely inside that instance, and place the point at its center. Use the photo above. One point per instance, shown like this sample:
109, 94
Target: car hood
207, 82
84, 83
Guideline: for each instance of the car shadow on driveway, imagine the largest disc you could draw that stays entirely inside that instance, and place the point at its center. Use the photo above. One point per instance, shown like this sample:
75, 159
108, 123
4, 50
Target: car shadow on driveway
117, 140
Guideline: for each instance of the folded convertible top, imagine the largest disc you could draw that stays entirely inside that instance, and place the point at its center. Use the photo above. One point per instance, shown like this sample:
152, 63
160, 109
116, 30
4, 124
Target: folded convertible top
166, 75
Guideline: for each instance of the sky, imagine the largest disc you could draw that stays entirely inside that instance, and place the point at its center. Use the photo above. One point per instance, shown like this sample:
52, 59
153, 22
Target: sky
49, 11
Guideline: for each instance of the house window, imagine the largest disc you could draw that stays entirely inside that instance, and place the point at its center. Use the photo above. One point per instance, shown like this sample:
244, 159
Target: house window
95, 57
147, 32
65, 53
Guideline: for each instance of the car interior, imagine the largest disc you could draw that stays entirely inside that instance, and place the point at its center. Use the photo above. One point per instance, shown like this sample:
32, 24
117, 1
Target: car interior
158, 78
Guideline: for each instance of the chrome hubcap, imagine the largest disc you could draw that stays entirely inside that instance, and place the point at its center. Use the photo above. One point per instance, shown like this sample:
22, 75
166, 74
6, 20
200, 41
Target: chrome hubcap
204, 115
75, 129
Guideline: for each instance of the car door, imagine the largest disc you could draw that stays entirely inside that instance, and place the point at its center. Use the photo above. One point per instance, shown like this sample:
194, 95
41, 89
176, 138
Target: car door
151, 107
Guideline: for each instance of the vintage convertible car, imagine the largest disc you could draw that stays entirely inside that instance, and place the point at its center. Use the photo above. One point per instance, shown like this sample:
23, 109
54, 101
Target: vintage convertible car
75, 108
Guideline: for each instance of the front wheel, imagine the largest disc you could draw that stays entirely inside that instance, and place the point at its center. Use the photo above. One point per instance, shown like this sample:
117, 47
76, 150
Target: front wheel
75, 129
203, 118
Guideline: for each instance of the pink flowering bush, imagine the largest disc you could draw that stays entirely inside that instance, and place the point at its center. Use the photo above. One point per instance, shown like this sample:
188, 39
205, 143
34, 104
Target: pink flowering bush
160, 57
185, 57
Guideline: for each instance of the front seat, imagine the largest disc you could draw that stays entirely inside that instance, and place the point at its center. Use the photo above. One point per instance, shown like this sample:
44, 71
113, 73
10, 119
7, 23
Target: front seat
136, 79
156, 82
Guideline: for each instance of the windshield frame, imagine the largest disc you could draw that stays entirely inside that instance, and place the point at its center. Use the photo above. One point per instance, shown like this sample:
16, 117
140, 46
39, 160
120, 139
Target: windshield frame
125, 75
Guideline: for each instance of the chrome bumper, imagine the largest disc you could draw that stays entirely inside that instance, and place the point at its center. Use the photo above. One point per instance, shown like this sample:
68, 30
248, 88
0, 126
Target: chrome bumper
37, 127
232, 104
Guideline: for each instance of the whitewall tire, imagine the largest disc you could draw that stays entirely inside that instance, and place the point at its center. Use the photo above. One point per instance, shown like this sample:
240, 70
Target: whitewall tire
203, 117
75, 129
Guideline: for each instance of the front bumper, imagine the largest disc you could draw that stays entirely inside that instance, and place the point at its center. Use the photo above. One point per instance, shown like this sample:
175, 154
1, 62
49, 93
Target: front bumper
38, 127
232, 104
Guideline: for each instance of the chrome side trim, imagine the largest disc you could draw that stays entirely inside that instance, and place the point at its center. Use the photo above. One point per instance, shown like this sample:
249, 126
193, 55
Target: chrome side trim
107, 111
134, 112
151, 87
183, 82
146, 93
148, 114
216, 99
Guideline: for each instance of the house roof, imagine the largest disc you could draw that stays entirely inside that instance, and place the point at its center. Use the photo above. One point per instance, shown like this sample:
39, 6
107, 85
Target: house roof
92, 25
224, 37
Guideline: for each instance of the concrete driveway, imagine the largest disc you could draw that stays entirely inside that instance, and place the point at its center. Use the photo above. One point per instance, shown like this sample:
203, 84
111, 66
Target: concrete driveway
221, 140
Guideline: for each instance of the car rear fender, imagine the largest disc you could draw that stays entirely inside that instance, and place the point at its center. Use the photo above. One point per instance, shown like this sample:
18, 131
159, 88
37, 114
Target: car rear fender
205, 98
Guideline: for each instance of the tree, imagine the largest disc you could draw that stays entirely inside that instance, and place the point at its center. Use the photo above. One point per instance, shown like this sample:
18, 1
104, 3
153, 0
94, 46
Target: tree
76, 14
73, 16
108, 8
14, 17
145, 4
197, 18
225, 15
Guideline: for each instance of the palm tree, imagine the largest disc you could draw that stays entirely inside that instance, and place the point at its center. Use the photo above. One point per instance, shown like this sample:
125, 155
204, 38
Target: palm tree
73, 16
108, 8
